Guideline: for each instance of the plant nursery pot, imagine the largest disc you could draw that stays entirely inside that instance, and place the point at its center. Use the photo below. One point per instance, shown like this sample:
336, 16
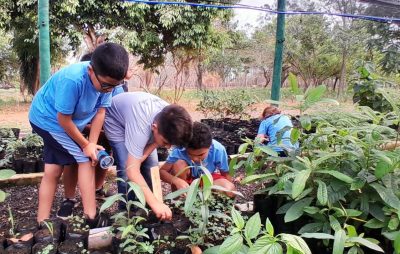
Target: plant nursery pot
18, 165
81, 236
39, 166
29, 166
160, 230
27, 226
41, 248
43, 235
71, 246
19, 249
16, 132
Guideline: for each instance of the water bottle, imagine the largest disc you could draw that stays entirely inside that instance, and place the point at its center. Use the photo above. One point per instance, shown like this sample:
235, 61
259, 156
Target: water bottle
105, 160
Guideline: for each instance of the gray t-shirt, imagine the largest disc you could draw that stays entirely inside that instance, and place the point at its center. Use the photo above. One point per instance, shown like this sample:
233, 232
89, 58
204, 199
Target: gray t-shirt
129, 120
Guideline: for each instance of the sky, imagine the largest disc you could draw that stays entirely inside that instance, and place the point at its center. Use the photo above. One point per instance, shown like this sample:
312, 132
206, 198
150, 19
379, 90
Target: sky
244, 16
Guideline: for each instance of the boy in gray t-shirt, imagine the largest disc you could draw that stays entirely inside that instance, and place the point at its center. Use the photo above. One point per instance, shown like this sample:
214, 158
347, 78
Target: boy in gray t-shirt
135, 125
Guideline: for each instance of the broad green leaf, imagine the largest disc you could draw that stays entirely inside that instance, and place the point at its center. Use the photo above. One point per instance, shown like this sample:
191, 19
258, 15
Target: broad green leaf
237, 218
305, 122
352, 212
396, 244
393, 223
322, 193
365, 242
231, 244
351, 231
337, 174
138, 192
111, 200
253, 227
269, 227
340, 239
212, 250
252, 178
294, 135
353, 250
261, 245
243, 148
314, 95
387, 195
176, 193
191, 195
296, 210
296, 242
6, 174
382, 168
3, 196
318, 236
335, 225
207, 183
268, 150
300, 182
311, 228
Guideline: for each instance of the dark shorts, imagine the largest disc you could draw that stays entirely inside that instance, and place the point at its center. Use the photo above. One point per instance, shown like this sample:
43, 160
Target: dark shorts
59, 148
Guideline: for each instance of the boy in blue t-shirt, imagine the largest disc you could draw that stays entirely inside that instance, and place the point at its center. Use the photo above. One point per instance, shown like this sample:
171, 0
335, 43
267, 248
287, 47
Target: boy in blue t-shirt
272, 126
70, 99
204, 151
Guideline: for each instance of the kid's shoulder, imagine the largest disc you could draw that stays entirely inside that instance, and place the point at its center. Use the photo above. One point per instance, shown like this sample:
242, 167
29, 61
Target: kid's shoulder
217, 145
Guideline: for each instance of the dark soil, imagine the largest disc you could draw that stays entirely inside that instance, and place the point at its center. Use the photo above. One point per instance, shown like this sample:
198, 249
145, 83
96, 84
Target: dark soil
23, 202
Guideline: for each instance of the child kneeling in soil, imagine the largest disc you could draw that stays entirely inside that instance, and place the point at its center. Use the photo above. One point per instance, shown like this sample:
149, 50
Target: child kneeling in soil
204, 151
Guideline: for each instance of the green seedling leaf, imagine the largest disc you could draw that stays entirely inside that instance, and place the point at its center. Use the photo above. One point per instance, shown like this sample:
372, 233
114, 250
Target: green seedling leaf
6, 174
237, 218
253, 227
365, 242
231, 244
111, 200
300, 182
191, 195
338, 244
322, 193
296, 210
138, 192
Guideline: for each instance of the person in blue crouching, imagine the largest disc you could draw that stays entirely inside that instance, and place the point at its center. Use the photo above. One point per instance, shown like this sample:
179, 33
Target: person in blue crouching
275, 130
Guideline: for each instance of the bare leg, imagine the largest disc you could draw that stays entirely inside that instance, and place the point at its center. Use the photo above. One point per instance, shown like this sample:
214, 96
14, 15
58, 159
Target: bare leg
70, 180
227, 185
87, 188
47, 190
100, 176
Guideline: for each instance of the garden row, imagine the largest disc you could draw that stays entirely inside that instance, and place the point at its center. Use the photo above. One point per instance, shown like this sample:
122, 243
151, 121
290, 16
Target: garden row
23, 155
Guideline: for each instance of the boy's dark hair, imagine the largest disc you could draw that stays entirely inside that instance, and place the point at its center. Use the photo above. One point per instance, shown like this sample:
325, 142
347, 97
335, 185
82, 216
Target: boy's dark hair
201, 136
86, 57
110, 59
175, 125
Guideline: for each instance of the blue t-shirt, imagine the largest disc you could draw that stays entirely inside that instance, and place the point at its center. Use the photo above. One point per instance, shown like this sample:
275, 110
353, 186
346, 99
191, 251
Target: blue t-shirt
71, 92
217, 159
272, 126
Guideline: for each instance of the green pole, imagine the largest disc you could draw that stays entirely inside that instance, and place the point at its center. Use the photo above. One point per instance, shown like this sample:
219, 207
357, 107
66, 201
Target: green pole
44, 40
280, 39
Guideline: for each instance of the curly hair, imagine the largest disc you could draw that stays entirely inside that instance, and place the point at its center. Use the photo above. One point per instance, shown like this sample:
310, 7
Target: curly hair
201, 136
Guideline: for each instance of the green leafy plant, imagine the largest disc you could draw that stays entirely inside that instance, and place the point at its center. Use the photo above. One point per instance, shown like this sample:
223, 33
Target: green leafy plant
249, 237
365, 85
127, 226
5, 174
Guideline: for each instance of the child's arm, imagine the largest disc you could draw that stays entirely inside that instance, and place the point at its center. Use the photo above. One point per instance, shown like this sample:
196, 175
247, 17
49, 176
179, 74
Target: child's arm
89, 149
133, 171
166, 176
97, 124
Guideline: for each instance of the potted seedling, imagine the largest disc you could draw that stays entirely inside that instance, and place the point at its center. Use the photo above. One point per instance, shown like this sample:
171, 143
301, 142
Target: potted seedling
50, 231
72, 246
129, 234
77, 229
17, 243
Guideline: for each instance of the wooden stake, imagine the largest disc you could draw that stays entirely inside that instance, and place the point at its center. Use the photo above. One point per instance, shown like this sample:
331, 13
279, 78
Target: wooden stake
156, 181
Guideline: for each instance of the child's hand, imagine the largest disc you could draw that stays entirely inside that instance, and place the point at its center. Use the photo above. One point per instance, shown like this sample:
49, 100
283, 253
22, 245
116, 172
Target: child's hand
90, 150
162, 211
180, 183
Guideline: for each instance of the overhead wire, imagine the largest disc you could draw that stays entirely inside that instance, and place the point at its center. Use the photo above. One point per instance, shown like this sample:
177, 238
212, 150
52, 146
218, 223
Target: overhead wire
263, 9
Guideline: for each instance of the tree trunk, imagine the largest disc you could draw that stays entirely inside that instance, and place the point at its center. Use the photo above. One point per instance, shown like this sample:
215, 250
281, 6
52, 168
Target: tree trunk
200, 70
90, 38
342, 78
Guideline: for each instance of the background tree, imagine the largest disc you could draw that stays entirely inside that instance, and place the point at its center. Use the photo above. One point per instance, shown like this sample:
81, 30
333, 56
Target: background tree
151, 31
